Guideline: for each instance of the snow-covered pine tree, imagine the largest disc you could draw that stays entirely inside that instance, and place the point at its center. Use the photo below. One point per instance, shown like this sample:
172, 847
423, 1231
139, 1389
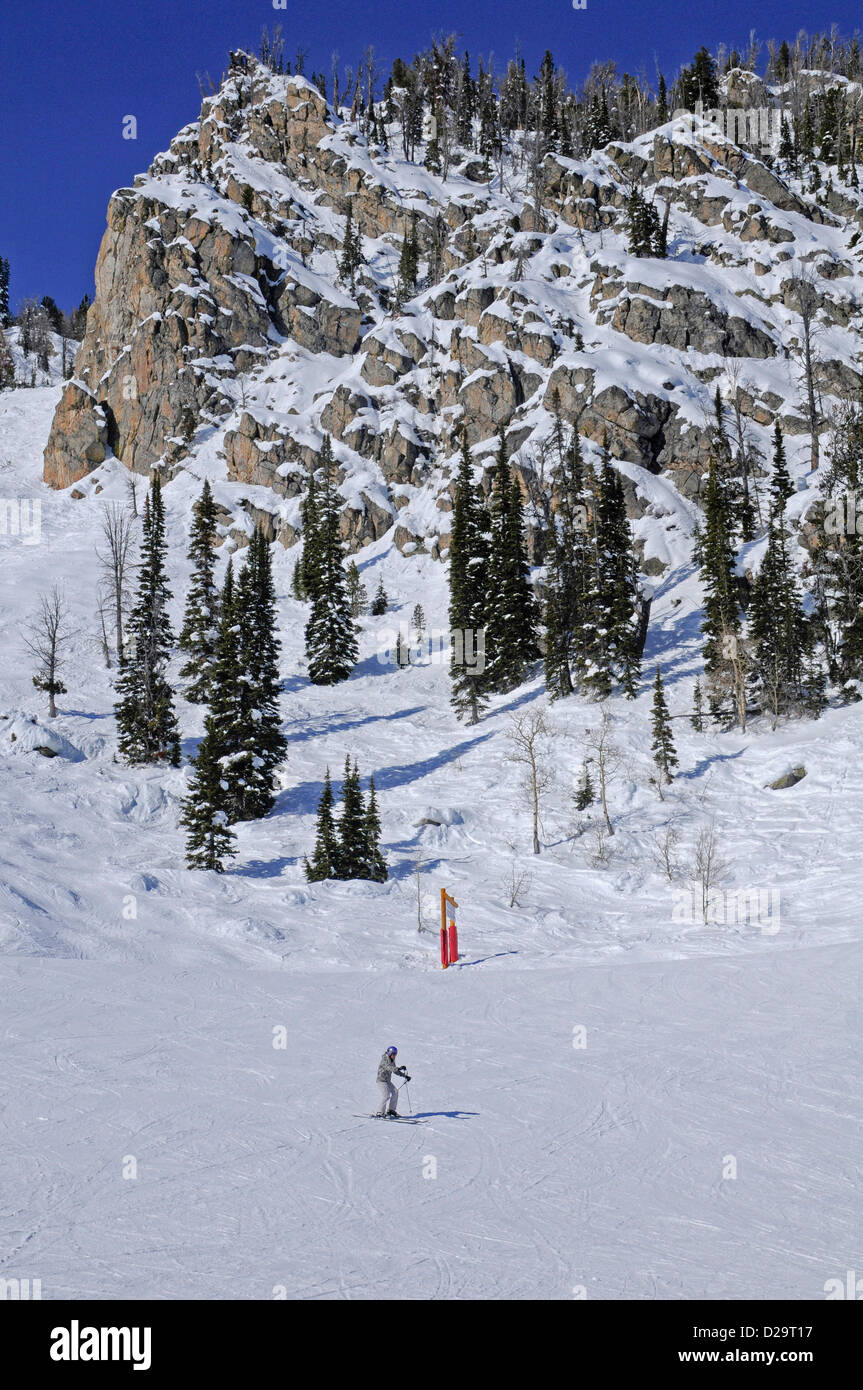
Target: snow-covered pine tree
352, 254
201, 621
786, 673
323, 862
374, 866
608, 650
307, 569
146, 722
210, 840
585, 794
622, 582
511, 617
837, 565
643, 226
262, 746
697, 719
781, 486
331, 639
664, 752
357, 594
351, 853
467, 555
409, 261
721, 626
567, 571
418, 621
380, 602
227, 699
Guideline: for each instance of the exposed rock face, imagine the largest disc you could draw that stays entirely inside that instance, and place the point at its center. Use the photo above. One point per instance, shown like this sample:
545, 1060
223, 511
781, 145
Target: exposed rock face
222, 322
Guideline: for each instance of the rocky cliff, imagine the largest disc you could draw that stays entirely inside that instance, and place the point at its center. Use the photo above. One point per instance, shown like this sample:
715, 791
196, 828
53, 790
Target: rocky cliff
223, 339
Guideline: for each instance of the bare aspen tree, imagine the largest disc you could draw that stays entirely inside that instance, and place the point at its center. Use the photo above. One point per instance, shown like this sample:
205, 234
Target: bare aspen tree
710, 868
103, 609
528, 735
48, 635
114, 556
516, 883
665, 851
607, 758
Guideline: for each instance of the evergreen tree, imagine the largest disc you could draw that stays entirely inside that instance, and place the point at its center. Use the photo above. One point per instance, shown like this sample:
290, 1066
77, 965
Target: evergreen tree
380, 602
550, 122
636, 225
352, 254
608, 650
647, 236
227, 697
511, 608
419, 622
585, 794
662, 101
721, 626
357, 593
787, 151
210, 840
781, 486
568, 581
261, 745
331, 640
659, 244
697, 720
146, 722
700, 82
200, 625
777, 625
325, 856
374, 864
838, 564
307, 579
467, 555
664, 752
351, 854
409, 261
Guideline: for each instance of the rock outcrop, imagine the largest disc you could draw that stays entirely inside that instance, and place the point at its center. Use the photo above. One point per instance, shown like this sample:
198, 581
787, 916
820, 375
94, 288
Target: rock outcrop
223, 324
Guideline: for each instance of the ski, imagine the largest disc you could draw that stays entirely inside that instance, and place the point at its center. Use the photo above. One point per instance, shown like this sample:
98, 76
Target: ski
399, 1120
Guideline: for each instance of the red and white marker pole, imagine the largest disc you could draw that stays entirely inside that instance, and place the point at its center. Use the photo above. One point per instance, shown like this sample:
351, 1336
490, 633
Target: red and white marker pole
448, 930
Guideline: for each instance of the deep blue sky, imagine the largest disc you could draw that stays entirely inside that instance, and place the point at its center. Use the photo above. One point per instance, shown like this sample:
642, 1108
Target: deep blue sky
72, 69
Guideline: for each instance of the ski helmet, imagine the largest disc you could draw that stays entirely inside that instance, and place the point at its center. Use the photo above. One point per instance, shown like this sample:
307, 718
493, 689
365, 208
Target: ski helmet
391, 1051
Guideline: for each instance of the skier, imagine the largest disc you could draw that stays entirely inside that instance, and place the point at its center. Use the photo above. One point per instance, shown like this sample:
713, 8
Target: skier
389, 1094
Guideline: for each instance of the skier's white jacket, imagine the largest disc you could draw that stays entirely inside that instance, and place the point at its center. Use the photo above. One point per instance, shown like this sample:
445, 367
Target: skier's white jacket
386, 1068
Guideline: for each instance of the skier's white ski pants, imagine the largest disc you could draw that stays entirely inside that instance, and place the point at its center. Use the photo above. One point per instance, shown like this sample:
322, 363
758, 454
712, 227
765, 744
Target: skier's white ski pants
389, 1097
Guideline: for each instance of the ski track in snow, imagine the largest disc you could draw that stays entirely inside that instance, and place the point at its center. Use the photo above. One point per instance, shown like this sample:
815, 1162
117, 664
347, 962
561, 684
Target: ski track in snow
557, 1166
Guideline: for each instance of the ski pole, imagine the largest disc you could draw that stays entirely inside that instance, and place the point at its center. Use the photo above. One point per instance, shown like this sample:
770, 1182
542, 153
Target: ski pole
405, 1088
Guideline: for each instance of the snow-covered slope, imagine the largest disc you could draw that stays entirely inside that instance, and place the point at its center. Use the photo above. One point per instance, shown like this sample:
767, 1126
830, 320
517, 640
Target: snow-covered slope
82, 833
